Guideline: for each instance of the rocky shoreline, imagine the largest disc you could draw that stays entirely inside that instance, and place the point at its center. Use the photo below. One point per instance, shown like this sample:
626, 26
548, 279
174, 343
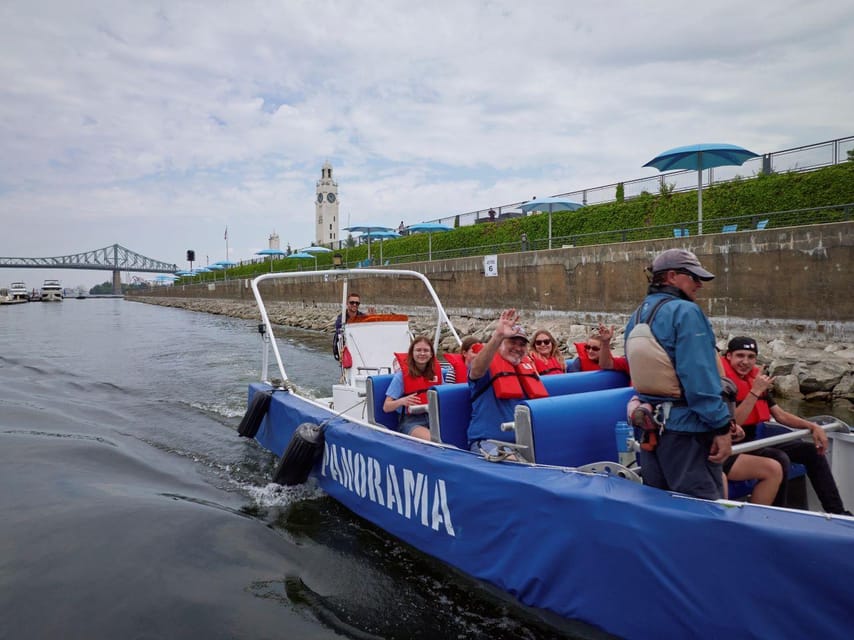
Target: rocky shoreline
802, 371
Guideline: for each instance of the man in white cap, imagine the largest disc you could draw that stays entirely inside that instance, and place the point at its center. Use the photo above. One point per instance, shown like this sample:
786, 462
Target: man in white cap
675, 370
501, 376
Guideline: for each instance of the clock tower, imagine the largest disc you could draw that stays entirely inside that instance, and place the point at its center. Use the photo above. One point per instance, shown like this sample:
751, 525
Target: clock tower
326, 208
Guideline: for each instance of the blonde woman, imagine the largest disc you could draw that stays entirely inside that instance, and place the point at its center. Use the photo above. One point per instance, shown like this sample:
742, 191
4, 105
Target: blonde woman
546, 355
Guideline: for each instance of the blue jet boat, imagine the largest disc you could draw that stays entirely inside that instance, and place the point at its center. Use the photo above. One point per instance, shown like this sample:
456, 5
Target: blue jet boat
567, 528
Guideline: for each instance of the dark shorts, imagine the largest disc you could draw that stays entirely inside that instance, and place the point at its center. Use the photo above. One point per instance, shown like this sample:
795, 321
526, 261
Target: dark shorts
680, 463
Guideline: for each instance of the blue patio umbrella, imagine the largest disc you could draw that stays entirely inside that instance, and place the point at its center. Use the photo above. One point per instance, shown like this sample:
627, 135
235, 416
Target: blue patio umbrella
429, 228
314, 249
367, 228
184, 273
303, 254
554, 203
271, 253
699, 157
382, 235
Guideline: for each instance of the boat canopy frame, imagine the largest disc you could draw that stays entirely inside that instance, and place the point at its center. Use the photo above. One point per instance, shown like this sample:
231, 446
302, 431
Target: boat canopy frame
343, 276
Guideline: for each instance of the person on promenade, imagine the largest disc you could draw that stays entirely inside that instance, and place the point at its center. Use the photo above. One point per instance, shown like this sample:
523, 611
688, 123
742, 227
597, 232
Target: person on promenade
354, 301
460, 362
407, 391
672, 359
546, 355
755, 405
595, 353
501, 376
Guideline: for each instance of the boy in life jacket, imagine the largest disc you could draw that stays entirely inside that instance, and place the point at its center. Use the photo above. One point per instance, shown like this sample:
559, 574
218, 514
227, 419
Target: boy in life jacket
501, 376
546, 355
407, 392
755, 405
460, 361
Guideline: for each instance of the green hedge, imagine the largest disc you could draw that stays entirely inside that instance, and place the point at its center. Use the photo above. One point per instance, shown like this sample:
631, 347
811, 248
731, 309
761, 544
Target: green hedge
740, 197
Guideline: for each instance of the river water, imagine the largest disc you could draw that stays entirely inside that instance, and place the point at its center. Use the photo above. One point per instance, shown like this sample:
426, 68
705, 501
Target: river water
131, 508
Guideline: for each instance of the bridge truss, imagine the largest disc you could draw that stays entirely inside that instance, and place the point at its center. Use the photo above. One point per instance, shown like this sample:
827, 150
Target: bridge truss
112, 258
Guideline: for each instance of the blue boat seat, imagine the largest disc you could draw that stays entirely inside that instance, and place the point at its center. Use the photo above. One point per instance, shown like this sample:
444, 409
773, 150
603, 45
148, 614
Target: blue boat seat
762, 224
729, 228
572, 430
449, 406
449, 410
375, 391
561, 384
739, 489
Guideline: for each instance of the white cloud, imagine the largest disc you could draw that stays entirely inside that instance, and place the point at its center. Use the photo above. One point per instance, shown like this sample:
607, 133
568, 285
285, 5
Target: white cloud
156, 125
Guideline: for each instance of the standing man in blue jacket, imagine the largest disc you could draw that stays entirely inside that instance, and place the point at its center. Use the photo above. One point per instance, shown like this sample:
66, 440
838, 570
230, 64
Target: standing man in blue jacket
676, 371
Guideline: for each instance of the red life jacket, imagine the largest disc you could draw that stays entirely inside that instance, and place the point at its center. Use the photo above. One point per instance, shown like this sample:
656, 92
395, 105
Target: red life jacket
417, 385
760, 412
586, 363
458, 363
546, 367
521, 381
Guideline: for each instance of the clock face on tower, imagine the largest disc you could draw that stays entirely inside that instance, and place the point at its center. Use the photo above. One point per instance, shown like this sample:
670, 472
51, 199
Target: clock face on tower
320, 197
330, 197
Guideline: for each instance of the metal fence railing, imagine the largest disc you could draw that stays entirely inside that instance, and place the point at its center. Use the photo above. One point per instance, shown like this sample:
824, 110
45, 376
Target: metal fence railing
753, 222
804, 158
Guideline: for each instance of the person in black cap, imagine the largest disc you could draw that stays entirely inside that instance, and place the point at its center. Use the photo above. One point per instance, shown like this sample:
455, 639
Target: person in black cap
755, 405
672, 358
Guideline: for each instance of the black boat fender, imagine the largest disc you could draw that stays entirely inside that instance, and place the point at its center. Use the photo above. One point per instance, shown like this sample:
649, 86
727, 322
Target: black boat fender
303, 450
255, 414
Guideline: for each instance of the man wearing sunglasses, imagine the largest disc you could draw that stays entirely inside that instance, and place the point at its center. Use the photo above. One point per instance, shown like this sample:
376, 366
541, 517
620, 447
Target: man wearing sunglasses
675, 370
354, 301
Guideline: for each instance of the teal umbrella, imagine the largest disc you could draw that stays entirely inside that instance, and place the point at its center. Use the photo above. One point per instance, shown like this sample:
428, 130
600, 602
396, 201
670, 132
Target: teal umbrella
699, 157
555, 203
429, 228
271, 253
302, 254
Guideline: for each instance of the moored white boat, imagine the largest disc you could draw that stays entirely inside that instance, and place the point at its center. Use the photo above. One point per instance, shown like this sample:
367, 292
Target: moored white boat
51, 291
570, 533
18, 293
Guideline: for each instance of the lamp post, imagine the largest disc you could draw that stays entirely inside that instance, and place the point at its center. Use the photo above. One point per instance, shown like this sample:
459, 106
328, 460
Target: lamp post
337, 261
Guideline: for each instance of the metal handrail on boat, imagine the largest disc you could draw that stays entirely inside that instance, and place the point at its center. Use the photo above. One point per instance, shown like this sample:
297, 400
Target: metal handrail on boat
336, 275
828, 423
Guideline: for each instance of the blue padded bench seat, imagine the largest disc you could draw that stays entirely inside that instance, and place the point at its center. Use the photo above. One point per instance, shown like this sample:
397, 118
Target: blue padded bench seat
449, 405
572, 430
375, 389
449, 410
742, 488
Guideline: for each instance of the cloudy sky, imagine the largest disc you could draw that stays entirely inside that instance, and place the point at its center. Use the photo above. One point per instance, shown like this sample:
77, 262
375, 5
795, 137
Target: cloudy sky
157, 124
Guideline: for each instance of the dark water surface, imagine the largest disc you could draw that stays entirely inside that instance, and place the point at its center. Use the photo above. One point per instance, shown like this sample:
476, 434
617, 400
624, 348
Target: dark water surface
130, 508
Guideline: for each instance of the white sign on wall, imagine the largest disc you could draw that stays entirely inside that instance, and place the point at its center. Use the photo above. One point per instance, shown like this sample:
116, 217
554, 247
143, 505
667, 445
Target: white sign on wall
490, 266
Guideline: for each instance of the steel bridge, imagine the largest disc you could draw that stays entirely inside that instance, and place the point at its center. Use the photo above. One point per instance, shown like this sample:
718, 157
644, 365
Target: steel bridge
115, 258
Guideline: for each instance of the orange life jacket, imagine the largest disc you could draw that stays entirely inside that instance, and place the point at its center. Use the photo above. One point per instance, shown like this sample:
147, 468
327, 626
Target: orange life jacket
521, 381
546, 367
760, 411
586, 363
417, 385
458, 363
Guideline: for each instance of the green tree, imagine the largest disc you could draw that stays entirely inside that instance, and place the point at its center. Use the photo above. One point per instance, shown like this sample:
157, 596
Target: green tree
621, 192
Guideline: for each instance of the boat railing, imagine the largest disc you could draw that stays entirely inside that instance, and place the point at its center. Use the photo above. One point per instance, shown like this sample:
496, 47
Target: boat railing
827, 423
332, 276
